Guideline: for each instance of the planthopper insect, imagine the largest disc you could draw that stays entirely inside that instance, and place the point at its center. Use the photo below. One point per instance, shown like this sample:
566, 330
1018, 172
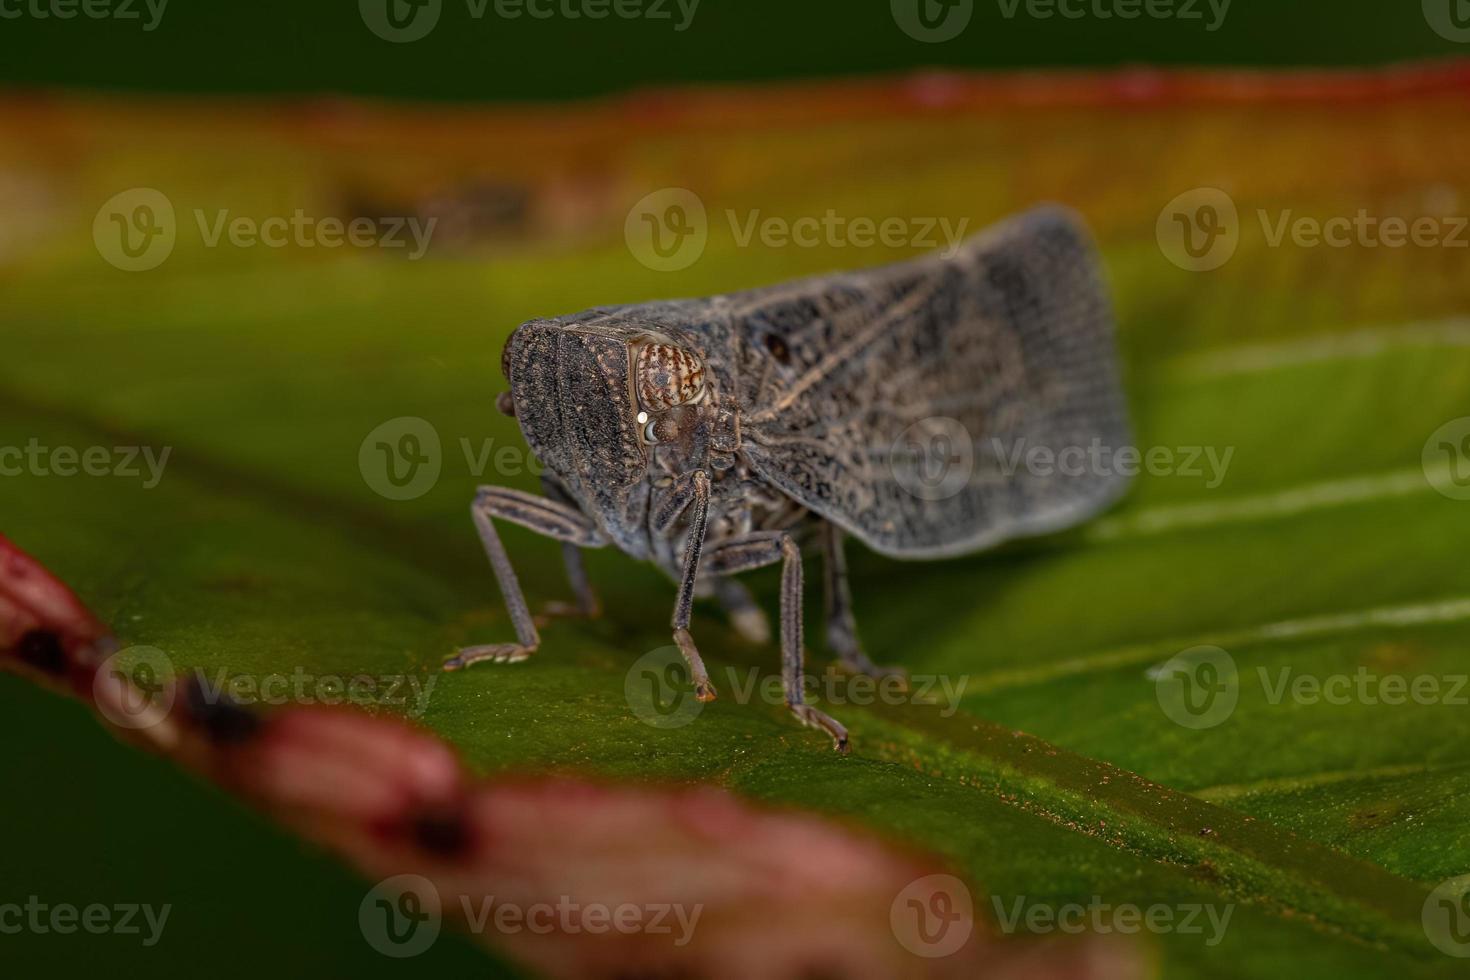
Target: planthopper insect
928, 409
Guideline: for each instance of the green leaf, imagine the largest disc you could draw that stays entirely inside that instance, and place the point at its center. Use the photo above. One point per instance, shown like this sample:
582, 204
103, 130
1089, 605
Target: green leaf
263, 550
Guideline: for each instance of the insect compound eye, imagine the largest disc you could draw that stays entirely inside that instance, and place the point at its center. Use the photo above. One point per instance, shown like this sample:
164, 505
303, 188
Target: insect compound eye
667, 376
658, 430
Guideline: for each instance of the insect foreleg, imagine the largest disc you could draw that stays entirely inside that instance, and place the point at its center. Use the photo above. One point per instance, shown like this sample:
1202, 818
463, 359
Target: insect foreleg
538, 514
842, 634
690, 494
766, 548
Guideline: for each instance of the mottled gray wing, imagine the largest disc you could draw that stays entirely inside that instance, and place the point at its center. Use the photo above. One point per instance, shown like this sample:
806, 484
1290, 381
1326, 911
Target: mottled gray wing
939, 406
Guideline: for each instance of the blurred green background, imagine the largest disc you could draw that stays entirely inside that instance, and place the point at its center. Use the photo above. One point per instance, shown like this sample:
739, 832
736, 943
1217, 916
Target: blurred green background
281, 46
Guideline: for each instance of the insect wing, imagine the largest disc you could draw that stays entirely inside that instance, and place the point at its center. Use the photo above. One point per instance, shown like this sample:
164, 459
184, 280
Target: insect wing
940, 406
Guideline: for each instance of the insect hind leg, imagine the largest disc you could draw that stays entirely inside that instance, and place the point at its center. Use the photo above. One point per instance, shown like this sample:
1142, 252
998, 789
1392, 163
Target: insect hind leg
587, 605
842, 634
748, 619
548, 517
757, 551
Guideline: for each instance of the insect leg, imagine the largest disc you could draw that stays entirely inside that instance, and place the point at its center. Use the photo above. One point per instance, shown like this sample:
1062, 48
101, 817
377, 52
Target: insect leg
767, 548
690, 494
588, 605
842, 634
748, 618
542, 516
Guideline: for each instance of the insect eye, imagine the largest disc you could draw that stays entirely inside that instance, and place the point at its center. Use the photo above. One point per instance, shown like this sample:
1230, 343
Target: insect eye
669, 376
657, 430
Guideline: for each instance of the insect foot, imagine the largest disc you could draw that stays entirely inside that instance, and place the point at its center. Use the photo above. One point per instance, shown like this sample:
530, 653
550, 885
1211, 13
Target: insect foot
704, 690
858, 663
566, 610
812, 718
500, 653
